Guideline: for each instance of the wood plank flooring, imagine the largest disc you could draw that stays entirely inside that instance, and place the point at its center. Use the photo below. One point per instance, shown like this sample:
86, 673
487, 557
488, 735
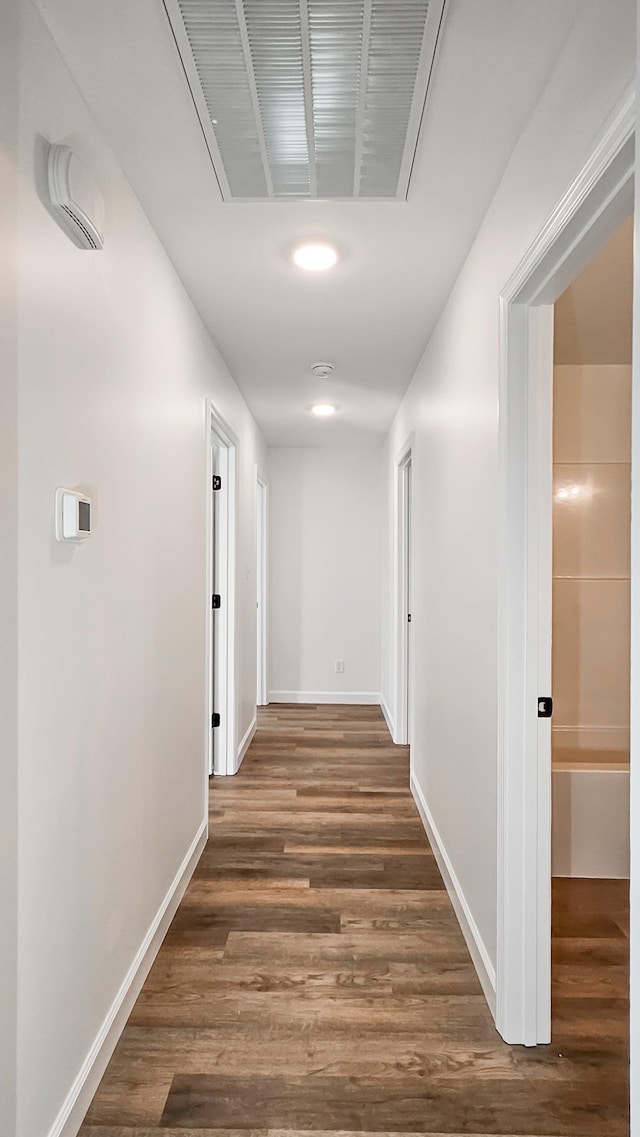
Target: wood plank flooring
315, 980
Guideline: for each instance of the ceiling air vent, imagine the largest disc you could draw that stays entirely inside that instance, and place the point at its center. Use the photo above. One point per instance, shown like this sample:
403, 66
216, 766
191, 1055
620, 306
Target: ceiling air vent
309, 98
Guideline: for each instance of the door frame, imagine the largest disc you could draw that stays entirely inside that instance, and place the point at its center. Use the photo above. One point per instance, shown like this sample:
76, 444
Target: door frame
221, 670
402, 527
597, 202
262, 549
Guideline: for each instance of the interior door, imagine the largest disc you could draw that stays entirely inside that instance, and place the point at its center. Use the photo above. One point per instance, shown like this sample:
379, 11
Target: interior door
407, 530
215, 512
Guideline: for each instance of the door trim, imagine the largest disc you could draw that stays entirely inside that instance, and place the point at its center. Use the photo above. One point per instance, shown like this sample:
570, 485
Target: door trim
262, 543
597, 202
219, 434
402, 599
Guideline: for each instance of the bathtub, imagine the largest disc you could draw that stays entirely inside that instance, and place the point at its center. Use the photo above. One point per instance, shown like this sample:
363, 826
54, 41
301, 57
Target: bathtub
590, 819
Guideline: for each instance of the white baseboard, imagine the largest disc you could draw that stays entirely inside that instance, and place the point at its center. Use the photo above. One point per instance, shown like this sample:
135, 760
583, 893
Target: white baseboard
79, 1098
388, 719
354, 698
479, 955
246, 741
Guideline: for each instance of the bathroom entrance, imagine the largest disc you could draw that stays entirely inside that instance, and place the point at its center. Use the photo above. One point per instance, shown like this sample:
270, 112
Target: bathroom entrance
592, 212
591, 647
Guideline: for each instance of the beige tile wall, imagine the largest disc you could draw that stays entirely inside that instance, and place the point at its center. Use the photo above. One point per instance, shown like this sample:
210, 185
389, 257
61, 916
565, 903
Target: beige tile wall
591, 527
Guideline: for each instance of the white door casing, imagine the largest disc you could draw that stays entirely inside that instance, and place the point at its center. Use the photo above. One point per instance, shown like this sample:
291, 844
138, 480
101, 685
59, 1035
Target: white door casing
402, 589
220, 576
262, 504
597, 202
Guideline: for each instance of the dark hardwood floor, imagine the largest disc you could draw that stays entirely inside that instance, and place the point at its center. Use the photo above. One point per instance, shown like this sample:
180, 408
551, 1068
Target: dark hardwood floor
315, 977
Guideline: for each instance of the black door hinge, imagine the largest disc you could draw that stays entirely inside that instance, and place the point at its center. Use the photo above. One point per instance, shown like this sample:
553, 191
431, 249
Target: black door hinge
217, 482
215, 719
545, 708
215, 600
409, 618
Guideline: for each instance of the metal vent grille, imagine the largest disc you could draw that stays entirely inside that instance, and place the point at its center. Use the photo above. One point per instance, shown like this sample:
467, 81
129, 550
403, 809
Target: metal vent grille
308, 98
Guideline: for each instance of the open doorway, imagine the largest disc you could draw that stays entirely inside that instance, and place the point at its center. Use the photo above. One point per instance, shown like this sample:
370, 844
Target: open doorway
596, 204
407, 592
404, 615
221, 482
590, 728
261, 590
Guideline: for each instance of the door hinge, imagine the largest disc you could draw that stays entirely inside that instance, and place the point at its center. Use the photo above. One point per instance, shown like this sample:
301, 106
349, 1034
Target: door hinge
545, 708
217, 482
215, 719
215, 600
409, 618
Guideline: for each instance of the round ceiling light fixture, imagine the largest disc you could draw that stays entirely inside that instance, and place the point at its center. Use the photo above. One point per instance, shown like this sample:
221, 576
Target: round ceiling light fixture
322, 370
323, 410
315, 257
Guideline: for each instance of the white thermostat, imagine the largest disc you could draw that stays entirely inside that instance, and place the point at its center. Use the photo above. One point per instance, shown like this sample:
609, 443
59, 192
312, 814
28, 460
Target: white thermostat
73, 515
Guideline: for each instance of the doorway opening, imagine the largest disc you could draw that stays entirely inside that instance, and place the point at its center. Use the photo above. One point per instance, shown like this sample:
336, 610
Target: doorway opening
598, 202
404, 615
221, 506
261, 590
591, 624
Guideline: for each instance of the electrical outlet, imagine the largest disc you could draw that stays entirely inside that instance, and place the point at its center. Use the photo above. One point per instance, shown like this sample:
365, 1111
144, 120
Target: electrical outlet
339, 666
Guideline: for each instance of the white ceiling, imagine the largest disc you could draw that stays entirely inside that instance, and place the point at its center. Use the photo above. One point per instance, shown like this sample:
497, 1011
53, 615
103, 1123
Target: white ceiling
373, 314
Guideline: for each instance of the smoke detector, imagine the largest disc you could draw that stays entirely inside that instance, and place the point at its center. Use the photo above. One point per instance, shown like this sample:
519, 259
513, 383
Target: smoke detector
322, 370
75, 198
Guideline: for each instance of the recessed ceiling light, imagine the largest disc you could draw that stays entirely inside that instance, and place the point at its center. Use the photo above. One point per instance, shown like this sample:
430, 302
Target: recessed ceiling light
323, 409
315, 257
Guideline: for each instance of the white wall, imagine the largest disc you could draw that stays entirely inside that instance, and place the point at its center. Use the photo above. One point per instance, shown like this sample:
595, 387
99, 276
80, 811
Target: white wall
325, 551
9, 59
115, 368
452, 406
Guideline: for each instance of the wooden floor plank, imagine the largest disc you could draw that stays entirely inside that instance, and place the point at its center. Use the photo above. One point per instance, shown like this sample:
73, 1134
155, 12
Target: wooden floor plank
353, 1105
126, 1131
315, 980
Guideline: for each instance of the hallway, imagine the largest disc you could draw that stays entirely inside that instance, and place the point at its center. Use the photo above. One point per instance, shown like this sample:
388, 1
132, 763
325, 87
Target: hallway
315, 977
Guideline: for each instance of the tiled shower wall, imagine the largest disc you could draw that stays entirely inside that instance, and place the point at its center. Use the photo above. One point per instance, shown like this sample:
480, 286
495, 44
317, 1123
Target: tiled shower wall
591, 566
